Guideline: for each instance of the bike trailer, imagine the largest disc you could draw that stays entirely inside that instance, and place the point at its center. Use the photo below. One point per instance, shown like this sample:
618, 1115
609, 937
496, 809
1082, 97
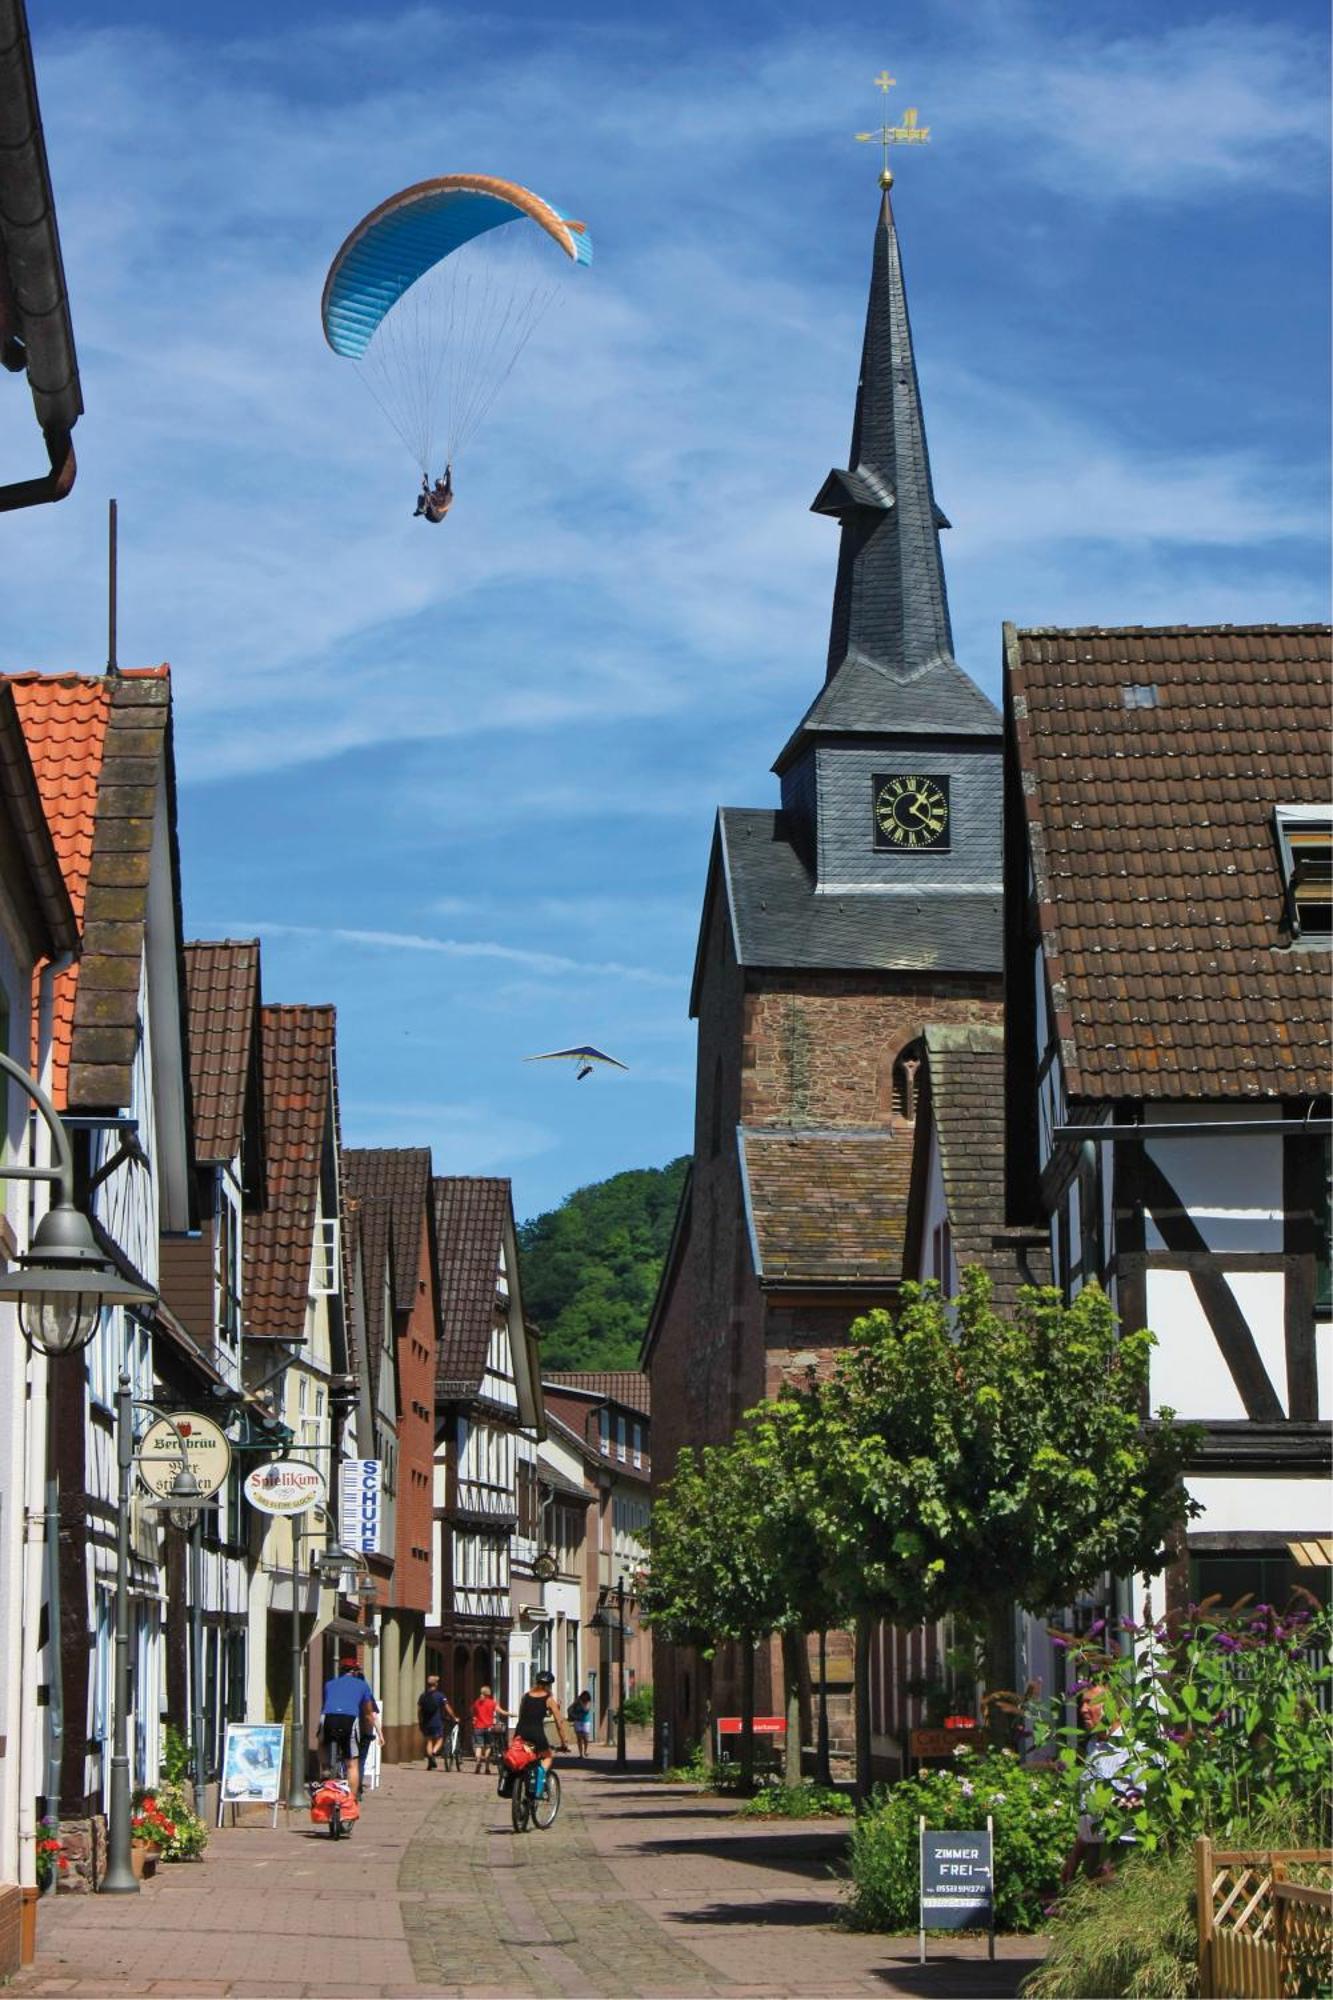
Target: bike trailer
330, 1795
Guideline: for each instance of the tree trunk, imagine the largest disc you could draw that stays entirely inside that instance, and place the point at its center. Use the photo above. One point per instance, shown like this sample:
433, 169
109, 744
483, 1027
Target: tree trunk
823, 1768
998, 1669
747, 1714
706, 1709
865, 1626
793, 1644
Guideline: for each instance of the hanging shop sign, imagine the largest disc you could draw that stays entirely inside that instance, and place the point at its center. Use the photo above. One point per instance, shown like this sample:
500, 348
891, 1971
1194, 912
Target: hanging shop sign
285, 1486
207, 1453
359, 1505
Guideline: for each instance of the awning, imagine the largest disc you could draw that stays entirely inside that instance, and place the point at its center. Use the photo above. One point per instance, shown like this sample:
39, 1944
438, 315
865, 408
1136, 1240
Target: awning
347, 1628
1317, 1553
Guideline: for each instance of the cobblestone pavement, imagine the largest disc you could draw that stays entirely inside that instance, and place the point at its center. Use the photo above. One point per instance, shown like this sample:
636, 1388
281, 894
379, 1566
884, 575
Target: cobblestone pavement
637, 1891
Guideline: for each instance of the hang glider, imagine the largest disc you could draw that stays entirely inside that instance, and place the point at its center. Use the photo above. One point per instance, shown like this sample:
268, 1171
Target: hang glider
586, 1058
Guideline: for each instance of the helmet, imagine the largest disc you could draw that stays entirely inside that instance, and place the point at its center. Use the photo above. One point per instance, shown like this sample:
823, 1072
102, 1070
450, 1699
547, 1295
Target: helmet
543, 1680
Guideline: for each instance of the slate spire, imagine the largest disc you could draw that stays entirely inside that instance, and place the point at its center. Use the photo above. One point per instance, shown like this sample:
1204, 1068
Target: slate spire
889, 605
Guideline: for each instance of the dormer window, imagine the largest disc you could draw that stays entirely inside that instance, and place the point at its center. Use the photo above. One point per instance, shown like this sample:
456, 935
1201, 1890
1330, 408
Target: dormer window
1305, 845
324, 1262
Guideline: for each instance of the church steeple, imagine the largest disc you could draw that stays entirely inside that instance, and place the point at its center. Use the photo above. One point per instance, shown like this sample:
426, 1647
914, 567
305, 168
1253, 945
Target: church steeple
889, 604
890, 659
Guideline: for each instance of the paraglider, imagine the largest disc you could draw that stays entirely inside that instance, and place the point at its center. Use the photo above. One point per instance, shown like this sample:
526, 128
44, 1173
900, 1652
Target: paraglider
434, 295
585, 1057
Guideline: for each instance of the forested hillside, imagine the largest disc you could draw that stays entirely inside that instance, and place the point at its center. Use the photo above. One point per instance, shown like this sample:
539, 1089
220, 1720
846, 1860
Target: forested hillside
590, 1267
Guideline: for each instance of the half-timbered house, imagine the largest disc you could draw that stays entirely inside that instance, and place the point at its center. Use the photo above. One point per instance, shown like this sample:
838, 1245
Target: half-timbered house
488, 1395
1169, 861
102, 752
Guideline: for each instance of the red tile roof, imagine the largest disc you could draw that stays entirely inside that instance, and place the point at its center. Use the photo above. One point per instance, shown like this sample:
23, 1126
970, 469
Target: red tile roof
470, 1217
300, 1083
629, 1386
222, 986
99, 748
827, 1207
1150, 824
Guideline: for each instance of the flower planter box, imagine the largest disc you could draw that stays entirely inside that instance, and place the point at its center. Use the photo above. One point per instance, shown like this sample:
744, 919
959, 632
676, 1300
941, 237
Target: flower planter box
143, 1859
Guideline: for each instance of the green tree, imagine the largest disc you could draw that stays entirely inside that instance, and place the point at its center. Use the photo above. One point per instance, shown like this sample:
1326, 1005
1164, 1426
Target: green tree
711, 1574
591, 1266
958, 1462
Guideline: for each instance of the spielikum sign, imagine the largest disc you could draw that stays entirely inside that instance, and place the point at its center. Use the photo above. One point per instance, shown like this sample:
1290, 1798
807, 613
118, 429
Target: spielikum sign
285, 1486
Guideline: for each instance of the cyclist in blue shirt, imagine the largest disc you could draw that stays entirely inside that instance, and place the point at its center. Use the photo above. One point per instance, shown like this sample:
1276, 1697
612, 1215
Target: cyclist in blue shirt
347, 1697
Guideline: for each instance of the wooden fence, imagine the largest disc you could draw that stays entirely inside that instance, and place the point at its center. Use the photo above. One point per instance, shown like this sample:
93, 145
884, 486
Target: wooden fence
1263, 1935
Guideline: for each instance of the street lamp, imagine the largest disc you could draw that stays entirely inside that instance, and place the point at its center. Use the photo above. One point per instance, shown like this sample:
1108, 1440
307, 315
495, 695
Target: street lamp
64, 1279
61, 1284
330, 1563
603, 1619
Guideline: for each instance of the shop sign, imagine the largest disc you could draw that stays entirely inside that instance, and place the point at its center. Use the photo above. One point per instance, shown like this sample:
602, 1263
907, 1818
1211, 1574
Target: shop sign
359, 1505
285, 1486
207, 1453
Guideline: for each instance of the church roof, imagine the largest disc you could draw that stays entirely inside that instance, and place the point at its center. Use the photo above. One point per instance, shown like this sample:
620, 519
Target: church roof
779, 919
962, 1097
826, 1206
890, 659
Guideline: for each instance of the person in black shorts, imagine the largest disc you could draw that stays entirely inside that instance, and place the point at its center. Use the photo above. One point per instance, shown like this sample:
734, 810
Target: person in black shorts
434, 1715
530, 1724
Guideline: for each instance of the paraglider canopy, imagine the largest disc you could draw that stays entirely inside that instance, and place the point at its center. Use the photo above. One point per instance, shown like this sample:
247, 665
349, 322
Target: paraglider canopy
585, 1057
435, 294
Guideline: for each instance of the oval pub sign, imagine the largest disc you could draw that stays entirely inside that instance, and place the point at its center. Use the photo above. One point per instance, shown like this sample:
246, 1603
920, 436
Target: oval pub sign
285, 1486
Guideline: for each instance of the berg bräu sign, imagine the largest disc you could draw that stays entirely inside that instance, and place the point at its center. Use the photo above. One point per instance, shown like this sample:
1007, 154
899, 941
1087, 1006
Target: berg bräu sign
359, 1505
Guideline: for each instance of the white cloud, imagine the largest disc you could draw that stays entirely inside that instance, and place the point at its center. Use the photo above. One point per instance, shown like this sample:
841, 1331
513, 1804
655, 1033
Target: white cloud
553, 963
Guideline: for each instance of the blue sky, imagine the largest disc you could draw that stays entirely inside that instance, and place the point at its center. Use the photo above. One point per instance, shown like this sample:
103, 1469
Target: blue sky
461, 782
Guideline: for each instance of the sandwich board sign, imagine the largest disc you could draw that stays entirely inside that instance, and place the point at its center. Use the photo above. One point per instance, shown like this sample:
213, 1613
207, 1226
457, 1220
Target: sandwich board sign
957, 1882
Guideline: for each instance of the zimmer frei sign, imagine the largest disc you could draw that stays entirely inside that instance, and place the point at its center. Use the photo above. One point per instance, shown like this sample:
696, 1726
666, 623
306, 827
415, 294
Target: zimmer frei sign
285, 1486
359, 1505
957, 1882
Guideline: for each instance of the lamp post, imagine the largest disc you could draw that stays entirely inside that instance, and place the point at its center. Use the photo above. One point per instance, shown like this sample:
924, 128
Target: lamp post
61, 1285
620, 1672
333, 1559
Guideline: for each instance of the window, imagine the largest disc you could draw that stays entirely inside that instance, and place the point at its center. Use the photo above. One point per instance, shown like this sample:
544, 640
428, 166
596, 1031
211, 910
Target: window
1305, 847
905, 1066
324, 1262
941, 1255
1139, 694
227, 1274
638, 1444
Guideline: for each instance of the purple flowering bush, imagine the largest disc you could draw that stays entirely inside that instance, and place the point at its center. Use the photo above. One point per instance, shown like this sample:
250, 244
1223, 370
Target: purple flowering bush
1227, 1716
1035, 1817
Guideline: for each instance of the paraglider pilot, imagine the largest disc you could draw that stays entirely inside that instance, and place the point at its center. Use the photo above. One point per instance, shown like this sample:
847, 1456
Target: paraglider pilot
435, 501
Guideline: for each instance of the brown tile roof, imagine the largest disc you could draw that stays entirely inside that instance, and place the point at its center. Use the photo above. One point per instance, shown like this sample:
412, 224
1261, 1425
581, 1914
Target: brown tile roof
1151, 827
629, 1386
400, 1175
99, 748
962, 1085
299, 1075
826, 1207
222, 987
469, 1228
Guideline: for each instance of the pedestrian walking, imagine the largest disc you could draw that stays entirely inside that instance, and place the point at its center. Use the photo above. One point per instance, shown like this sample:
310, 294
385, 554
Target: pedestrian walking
486, 1711
434, 1715
579, 1713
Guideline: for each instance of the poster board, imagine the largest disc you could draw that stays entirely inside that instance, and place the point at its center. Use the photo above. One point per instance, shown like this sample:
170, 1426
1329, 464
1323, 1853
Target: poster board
252, 1766
957, 1881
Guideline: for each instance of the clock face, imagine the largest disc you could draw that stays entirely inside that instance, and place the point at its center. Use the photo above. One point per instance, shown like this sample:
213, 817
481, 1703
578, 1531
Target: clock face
910, 812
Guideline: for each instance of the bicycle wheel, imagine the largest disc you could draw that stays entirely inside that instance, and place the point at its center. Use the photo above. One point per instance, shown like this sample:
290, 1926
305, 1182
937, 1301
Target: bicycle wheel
520, 1802
335, 1824
546, 1804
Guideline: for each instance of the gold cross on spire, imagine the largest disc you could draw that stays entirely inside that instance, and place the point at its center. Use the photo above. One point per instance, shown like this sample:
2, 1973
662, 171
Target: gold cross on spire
909, 133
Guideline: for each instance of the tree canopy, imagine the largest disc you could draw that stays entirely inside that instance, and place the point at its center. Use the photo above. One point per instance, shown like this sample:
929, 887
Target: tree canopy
591, 1266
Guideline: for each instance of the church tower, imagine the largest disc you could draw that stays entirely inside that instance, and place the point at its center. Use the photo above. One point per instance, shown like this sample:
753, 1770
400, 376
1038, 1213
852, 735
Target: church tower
836, 927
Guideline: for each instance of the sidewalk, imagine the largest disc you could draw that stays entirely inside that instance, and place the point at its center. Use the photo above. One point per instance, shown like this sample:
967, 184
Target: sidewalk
638, 1890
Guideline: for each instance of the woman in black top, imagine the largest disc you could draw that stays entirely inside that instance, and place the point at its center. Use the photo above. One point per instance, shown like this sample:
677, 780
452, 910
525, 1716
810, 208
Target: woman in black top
530, 1723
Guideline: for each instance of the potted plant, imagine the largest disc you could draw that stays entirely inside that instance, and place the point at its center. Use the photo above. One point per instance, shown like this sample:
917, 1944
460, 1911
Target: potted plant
52, 1860
150, 1833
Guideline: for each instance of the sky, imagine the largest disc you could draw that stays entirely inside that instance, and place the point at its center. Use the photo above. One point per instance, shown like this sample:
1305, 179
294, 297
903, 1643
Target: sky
461, 781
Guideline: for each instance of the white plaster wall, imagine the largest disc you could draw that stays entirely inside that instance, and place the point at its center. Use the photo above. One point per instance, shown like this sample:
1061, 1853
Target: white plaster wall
1188, 1373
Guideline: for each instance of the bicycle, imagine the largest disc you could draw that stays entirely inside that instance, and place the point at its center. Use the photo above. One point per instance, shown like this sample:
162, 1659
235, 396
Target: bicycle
527, 1805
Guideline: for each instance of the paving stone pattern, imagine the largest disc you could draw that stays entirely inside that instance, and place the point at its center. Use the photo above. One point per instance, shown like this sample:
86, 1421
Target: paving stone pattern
638, 1891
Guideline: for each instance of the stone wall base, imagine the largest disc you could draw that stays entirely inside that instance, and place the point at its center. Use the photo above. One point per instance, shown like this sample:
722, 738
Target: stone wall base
84, 1842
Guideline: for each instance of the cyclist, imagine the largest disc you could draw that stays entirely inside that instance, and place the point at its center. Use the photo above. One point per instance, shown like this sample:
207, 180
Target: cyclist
347, 1697
530, 1724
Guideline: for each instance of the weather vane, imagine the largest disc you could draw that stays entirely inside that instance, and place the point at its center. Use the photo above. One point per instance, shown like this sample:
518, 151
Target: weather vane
909, 133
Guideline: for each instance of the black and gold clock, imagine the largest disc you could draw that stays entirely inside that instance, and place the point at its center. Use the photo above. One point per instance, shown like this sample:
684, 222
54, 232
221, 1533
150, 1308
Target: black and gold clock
911, 812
